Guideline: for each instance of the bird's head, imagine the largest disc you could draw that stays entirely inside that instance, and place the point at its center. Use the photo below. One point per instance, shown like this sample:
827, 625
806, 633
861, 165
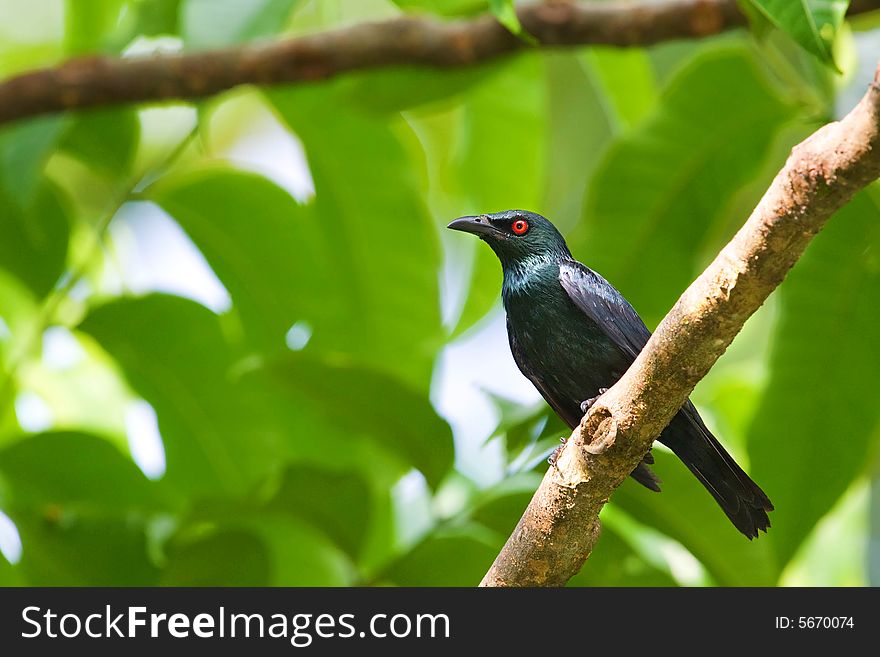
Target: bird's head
515, 235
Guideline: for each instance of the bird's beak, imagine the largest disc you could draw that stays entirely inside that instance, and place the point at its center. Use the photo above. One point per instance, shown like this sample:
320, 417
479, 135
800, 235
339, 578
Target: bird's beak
478, 225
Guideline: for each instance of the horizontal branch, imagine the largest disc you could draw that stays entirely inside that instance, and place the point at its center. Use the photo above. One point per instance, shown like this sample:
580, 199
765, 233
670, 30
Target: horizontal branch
561, 524
408, 41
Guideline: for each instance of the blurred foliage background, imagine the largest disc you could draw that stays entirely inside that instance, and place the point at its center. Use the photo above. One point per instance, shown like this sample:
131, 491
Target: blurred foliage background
238, 347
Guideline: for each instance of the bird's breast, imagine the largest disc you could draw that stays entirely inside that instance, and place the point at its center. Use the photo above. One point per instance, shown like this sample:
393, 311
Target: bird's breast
551, 339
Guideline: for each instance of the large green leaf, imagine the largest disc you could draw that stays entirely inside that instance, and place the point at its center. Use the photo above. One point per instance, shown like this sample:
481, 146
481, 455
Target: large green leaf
104, 139
362, 401
19, 313
205, 561
613, 562
25, 148
217, 436
445, 7
262, 246
503, 157
337, 504
33, 238
300, 555
457, 556
91, 24
686, 512
581, 119
215, 23
287, 550
505, 13
818, 420
19, 317
10, 575
406, 88
653, 201
158, 16
88, 551
86, 394
500, 507
372, 232
81, 508
812, 23
77, 474
627, 80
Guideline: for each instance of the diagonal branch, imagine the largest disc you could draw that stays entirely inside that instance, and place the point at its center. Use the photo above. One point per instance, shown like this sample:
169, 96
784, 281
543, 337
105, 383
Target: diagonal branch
561, 524
409, 41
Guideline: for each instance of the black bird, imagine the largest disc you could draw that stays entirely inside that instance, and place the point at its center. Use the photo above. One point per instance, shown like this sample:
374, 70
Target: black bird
573, 335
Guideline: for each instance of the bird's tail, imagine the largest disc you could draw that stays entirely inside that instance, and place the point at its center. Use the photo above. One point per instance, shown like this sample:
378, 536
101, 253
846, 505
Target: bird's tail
738, 496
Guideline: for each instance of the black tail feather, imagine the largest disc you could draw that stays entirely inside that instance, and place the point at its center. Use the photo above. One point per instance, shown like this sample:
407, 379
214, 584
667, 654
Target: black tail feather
738, 496
645, 476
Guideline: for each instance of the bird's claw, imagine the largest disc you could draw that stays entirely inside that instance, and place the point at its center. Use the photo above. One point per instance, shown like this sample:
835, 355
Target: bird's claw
588, 403
554, 456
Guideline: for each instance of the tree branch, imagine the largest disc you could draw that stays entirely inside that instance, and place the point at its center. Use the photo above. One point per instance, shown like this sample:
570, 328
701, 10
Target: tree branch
561, 524
413, 41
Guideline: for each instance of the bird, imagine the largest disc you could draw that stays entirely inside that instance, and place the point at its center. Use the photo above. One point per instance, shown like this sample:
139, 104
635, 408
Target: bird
573, 335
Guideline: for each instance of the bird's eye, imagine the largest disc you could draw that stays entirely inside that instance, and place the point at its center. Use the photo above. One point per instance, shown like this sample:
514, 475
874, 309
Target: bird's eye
520, 226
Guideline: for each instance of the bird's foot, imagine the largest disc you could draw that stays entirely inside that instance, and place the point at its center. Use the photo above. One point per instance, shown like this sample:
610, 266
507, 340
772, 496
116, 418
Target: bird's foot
556, 452
588, 403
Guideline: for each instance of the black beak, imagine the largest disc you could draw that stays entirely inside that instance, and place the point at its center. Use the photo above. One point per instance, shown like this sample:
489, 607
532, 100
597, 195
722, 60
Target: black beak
478, 225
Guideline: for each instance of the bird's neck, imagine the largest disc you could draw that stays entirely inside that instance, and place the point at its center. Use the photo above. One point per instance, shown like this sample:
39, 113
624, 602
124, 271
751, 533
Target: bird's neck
526, 273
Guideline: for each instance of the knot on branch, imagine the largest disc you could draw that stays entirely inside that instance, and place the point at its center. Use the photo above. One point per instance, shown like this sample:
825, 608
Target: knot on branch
599, 431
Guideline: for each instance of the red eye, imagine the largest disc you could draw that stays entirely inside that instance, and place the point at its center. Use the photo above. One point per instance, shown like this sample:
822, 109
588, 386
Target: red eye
520, 226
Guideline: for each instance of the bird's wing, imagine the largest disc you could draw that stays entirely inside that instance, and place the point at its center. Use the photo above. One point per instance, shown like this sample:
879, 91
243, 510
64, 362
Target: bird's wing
598, 299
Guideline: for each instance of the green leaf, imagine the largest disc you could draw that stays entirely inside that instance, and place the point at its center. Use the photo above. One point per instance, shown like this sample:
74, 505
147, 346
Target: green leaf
81, 508
373, 234
217, 23
577, 88
825, 358
77, 474
19, 312
505, 12
686, 512
218, 436
652, 203
627, 80
88, 395
405, 88
445, 7
484, 288
84, 552
503, 161
523, 426
9, 574
300, 555
104, 139
90, 25
499, 508
293, 552
206, 561
271, 261
33, 238
336, 503
451, 557
812, 23
25, 148
362, 401
759, 24
157, 16
613, 562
